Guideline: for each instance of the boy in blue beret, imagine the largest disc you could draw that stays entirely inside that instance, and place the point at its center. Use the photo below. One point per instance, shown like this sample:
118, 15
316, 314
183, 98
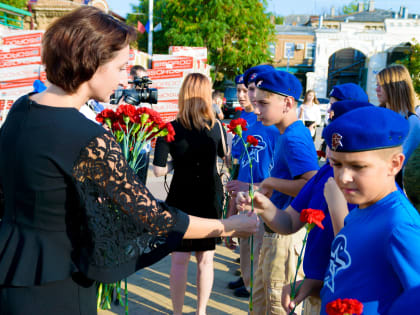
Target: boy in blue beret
318, 246
348, 91
376, 255
294, 164
262, 163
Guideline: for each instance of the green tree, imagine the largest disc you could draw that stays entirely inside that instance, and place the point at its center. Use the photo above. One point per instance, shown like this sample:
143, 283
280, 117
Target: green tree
236, 33
413, 65
20, 4
352, 7
140, 13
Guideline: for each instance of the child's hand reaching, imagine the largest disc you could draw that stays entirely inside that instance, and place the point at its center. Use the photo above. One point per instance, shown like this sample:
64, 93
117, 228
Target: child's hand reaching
261, 203
337, 204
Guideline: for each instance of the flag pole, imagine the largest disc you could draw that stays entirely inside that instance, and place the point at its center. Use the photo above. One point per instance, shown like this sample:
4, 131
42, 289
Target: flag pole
150, 34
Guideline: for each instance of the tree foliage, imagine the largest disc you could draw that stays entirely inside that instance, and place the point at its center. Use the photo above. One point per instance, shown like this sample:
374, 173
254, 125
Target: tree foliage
20, 4
413, 65
352, 7
236, 33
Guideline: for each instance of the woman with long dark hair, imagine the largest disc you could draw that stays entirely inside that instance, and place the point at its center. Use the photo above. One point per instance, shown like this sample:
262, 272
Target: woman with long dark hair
73, 211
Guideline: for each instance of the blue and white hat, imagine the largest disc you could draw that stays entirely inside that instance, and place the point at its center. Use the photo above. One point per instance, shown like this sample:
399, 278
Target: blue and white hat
279, 82
365, 129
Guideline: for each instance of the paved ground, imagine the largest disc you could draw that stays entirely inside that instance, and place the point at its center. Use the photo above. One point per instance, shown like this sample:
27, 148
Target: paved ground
149, 288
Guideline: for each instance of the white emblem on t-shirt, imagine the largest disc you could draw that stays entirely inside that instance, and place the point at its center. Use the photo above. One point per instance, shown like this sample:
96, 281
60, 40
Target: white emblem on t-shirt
340, 259
254, 151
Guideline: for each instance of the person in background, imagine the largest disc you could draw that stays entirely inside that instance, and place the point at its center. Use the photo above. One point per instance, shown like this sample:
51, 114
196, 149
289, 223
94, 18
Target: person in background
395, 91
348, 92
309, 113
73, 211
196, 186
217, 101
295, 162
138, 71
343, 92
262, 162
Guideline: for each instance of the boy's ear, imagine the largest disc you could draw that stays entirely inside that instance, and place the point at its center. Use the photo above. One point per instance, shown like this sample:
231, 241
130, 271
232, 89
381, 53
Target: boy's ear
290, 103
396, 162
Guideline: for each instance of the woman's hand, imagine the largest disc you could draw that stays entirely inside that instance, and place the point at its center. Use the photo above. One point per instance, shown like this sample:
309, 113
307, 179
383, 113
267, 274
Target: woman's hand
242, 225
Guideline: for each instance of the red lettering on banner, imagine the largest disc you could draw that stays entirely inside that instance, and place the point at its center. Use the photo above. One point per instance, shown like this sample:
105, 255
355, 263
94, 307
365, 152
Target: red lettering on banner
23, 40
21, 52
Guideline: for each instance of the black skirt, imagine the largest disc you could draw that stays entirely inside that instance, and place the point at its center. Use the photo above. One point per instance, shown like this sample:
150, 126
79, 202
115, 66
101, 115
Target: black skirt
73, 296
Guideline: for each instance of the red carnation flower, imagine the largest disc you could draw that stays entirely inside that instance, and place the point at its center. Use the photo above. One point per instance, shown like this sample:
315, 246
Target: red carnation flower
118, 126
252, 140
127, 111
238, 109
344, 306
320, 153
237, 125
312, 216
106, 113
171, 133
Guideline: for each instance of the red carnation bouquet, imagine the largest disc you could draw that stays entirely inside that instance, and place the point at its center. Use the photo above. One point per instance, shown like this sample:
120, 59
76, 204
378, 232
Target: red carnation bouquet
311, 217
133, 128
237, 126
344, 307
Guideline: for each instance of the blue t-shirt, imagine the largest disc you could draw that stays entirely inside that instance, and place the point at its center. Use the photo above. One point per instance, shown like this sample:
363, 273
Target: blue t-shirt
318, 245
294, 155
262, 155
237, 146
376, 255
413, 138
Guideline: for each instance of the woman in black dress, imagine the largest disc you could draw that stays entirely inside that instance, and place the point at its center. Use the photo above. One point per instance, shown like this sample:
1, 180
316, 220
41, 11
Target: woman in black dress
196, 187
73, 211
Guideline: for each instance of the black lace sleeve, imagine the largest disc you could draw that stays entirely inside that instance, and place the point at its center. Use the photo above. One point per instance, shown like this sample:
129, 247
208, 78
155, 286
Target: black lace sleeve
125, 228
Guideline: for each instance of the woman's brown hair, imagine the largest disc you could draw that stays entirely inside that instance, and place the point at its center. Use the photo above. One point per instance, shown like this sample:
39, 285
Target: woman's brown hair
194, 102
75, 45
315, 100
398, 86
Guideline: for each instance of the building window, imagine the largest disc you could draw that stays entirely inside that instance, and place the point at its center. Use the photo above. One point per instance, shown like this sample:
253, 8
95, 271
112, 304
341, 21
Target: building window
272, 50
310, 51
289, 50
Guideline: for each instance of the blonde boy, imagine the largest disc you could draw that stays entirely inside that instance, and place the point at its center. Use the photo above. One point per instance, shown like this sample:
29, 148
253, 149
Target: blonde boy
376, 255
295, 162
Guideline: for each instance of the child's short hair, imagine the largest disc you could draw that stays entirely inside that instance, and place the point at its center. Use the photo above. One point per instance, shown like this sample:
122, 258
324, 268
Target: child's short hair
215, 94
75, 45
365, 129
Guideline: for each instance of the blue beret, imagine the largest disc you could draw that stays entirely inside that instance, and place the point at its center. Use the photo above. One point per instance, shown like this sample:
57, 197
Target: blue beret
279, 82
239, 79
39, 86
341, 107
349, 92
366, 128
251, 73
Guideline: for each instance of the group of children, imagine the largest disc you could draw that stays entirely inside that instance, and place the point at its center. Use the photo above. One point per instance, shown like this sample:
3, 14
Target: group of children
370, 253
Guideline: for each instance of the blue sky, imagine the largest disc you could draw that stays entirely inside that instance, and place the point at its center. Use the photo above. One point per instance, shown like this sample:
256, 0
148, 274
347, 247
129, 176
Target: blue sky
286, 7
